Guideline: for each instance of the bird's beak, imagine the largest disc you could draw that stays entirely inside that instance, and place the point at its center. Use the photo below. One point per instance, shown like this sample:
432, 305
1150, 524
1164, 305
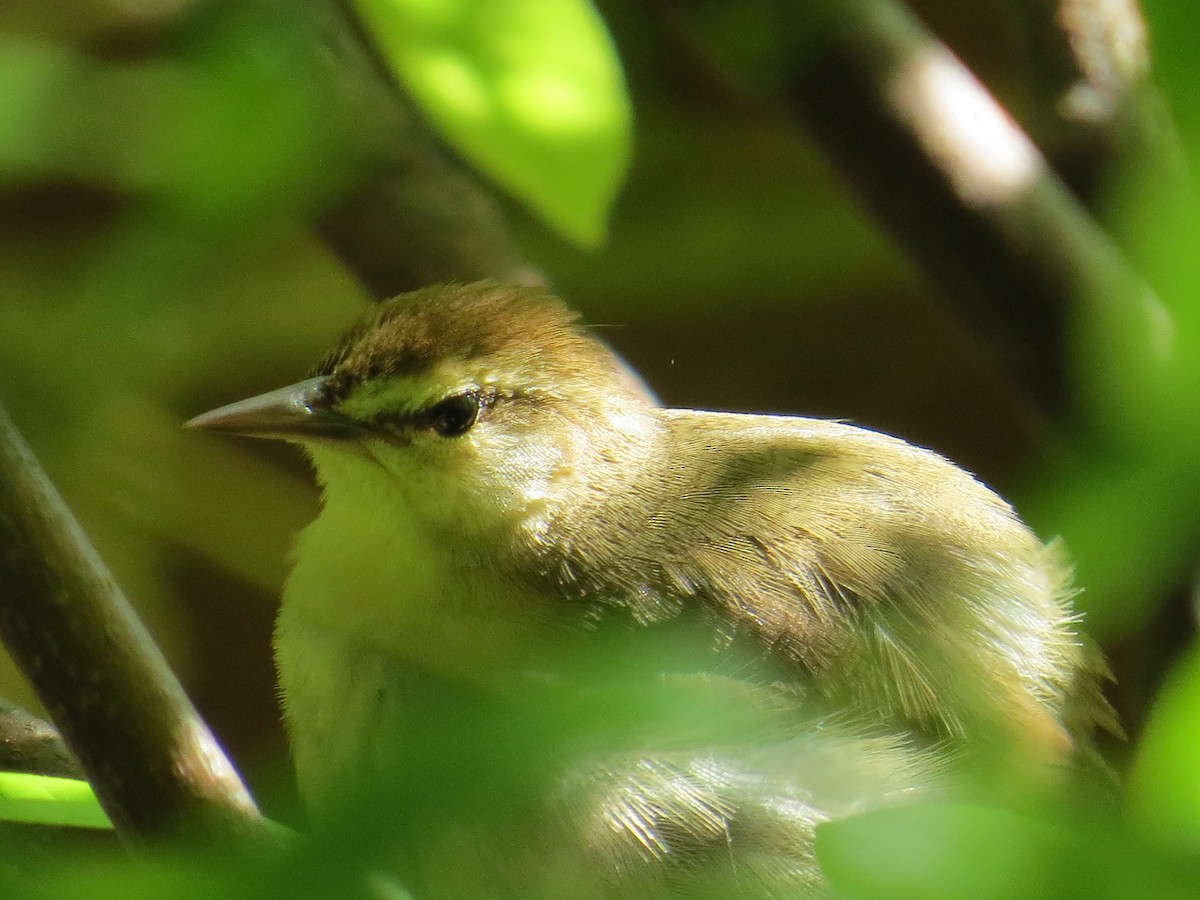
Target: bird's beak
298, 412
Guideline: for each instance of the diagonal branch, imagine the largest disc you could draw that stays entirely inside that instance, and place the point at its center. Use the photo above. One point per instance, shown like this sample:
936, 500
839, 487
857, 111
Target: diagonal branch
415, 216
1093, 104
153, 763
958, 184
27, 744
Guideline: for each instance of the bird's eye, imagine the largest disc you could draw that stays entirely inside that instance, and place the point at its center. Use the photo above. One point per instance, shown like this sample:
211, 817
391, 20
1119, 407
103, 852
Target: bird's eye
455, 415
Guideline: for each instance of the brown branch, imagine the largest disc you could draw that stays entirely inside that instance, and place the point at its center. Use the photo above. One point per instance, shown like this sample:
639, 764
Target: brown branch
957, 183
27, 744
1088, 56
153, 763
30, 745
1093, 104
414, 216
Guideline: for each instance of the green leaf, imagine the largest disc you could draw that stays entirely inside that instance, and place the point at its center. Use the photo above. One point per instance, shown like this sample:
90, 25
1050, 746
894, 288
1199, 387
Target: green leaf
47, 800
932, 851
530, 91
1164, 796
944, 851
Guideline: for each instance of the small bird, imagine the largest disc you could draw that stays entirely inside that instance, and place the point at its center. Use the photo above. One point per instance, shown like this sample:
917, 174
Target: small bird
596, 647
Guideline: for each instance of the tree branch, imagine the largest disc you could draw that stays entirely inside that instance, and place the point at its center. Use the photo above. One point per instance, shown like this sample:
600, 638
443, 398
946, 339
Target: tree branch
414, 217
1089, 64
153, 763
27, 744
958, 184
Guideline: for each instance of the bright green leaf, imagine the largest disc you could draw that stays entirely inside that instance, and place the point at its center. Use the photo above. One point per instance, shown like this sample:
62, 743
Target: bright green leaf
47, 800
530, 91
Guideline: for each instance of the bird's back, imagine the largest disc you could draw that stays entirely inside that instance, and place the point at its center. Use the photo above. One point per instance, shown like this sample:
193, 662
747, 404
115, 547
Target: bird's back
899, 589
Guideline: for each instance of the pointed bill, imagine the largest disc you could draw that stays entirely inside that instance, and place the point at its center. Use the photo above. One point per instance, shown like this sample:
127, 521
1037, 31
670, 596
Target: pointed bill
296, 412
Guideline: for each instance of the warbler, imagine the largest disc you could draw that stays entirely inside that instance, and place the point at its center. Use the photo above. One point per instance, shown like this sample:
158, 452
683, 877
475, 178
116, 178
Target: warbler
703, 633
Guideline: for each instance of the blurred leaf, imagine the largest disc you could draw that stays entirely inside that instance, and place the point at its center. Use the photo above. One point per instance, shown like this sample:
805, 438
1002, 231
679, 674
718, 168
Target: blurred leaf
1164, 793
122, 877
932, 851
530, 91
239, 129
1130, 512
47, 800
258, 133
1176, 42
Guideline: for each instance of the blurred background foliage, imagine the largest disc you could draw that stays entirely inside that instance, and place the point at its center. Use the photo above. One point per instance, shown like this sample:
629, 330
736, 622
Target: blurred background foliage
161, 162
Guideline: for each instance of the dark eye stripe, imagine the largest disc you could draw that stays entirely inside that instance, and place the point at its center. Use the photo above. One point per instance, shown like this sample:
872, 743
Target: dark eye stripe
451, 416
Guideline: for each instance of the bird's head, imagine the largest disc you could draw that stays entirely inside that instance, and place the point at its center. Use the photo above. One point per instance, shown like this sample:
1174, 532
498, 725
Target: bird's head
479, 407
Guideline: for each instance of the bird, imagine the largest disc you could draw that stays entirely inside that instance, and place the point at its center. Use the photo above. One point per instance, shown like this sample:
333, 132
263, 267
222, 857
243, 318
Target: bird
577, 638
